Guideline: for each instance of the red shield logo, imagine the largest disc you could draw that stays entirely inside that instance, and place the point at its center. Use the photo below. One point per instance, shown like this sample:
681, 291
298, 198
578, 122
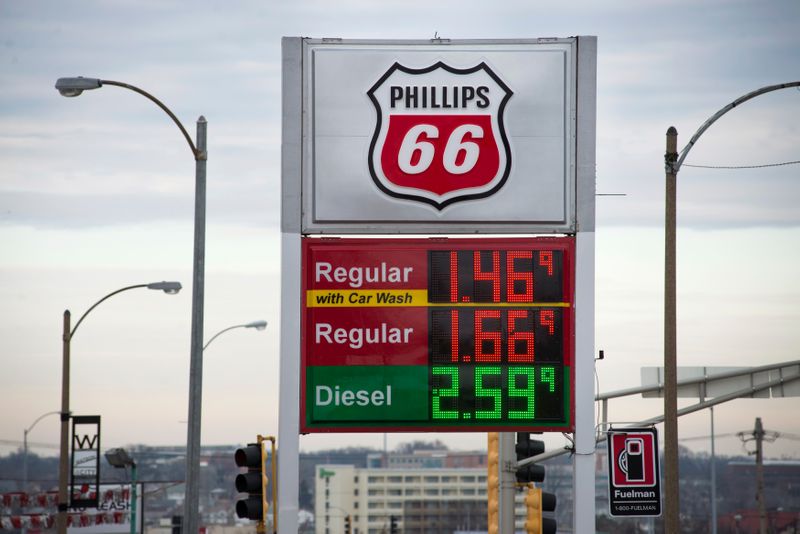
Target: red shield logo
439, 134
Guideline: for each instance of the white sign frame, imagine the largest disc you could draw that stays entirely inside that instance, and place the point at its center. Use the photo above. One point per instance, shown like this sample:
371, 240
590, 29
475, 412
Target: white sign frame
335, 122
296, 221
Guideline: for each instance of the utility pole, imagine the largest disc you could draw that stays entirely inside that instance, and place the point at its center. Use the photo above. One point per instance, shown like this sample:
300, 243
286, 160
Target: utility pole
673, 159
759, 435
671, 468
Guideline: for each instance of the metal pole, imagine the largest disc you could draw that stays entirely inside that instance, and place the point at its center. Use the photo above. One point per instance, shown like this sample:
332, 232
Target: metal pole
133, 498
671, 474
289, 387
63, 461
583, 458
713, 478
24, 467
25, 461
508, 481
191, 503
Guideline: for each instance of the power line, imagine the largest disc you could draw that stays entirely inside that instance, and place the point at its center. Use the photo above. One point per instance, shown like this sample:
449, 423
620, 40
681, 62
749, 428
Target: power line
742, 166
30, 444
730, 434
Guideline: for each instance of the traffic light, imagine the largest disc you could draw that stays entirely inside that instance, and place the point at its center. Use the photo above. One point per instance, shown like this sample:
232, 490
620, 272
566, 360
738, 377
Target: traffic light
526, 448
493, 483
393, 525
537, 502
347, 525
253, 482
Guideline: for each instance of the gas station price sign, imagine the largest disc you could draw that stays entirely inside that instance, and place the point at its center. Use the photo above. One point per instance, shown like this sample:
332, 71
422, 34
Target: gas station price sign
437, 334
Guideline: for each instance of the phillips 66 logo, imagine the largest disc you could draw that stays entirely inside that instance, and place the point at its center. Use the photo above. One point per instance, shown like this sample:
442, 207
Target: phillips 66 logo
439, 134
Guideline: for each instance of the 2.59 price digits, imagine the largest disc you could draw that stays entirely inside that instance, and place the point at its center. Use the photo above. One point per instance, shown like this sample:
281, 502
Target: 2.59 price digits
495, 392
494, 276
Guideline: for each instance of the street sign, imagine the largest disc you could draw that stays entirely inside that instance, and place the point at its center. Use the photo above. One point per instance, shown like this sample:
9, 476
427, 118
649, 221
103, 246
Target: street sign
437, 334
634, 479
85, 471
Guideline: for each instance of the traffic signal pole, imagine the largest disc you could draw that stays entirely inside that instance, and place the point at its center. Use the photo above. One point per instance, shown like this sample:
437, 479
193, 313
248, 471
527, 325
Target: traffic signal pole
508, 480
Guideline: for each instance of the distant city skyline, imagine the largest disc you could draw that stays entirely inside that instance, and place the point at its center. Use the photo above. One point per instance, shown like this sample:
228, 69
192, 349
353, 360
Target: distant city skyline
96, 193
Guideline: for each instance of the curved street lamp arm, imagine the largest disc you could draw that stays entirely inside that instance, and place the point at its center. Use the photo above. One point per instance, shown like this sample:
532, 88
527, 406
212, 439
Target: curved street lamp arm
96, 304
675, 166
39, 419
258, 325
215, 336
198, 155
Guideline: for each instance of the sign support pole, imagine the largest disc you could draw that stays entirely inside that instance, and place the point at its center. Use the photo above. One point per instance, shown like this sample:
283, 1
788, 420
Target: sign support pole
289, 397
583, 460
583, 506
289, 418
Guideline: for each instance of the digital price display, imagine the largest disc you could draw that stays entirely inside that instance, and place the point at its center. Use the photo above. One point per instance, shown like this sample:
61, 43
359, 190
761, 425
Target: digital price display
437, 335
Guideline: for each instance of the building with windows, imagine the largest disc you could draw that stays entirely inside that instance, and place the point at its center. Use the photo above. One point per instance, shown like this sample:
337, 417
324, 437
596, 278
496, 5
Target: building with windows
430, 500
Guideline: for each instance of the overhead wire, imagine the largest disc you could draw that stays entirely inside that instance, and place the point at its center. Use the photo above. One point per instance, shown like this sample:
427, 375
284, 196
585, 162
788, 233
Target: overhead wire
743, 166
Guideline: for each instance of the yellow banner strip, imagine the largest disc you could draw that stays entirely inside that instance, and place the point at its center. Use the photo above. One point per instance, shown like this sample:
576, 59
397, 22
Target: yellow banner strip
378, 298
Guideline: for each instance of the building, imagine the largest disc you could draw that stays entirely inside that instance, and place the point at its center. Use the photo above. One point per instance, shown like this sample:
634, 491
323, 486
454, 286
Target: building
426, 491
429, 500
427, 459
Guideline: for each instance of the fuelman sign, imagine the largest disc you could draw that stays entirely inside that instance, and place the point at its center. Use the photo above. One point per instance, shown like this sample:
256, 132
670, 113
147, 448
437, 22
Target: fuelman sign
429, 136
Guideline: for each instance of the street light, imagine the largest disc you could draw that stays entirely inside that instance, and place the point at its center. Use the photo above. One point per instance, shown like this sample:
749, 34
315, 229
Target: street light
25, 449
72, 87
672, 164
170, 288
121, 459
258, 325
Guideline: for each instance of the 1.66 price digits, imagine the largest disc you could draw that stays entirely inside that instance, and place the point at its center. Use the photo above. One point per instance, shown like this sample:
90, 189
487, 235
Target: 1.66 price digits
492, 335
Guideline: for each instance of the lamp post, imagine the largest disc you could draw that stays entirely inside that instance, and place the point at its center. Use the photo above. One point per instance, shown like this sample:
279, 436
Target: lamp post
170, 288
258, 325
25, 449
72, 87
121, 459
673, 161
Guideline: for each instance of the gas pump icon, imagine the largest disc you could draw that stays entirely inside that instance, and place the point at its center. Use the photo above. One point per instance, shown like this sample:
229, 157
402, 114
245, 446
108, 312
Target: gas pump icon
631, 459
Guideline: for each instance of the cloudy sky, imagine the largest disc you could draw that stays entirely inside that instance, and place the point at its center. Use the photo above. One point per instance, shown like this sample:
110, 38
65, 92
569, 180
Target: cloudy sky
96, 193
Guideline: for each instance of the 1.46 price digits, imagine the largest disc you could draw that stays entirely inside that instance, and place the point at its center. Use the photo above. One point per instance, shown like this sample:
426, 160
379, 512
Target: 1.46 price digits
494, 276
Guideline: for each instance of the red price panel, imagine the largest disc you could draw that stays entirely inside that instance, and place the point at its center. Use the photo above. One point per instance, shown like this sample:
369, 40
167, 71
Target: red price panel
495, 276
497, 356
445, 334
